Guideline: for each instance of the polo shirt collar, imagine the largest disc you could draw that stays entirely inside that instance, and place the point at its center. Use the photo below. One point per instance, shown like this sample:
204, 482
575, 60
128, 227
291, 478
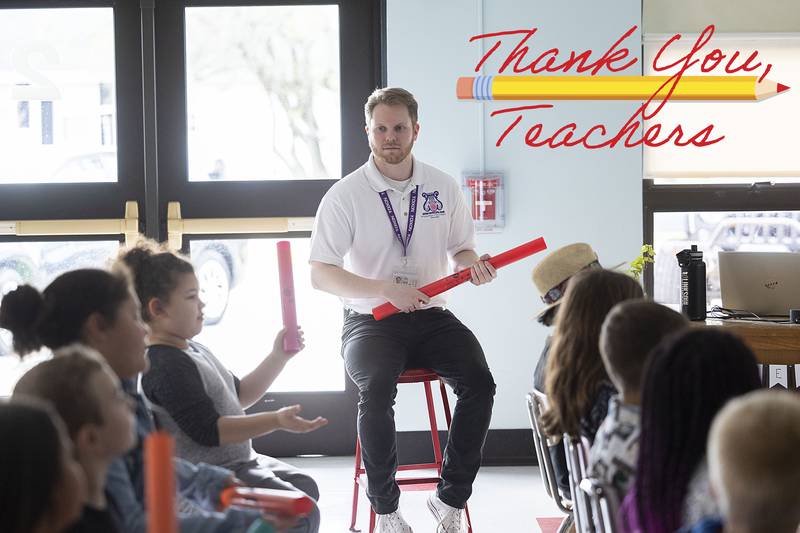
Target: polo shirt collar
378, 184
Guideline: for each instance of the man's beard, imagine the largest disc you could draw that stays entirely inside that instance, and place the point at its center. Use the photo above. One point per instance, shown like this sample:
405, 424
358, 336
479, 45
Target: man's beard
393, 157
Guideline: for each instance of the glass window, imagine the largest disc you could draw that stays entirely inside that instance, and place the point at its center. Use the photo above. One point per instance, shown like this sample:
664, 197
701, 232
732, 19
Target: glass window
54, 59
263, 95
23, 115
239, 285
713, 232
107, 130
37, 264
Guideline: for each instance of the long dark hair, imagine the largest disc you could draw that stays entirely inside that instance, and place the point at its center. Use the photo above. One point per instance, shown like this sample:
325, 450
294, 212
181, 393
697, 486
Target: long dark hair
56, 316
575, 370
30, 447
156, 271
691, 375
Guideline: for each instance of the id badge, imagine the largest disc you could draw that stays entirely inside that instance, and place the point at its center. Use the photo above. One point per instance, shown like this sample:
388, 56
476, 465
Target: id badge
405, 274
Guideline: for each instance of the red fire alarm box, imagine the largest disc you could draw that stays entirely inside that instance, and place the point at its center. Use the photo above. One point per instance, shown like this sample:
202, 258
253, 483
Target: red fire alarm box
486, 200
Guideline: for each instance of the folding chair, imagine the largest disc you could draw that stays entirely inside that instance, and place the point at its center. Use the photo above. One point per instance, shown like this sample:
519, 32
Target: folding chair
576, 464
604, 503
537, 402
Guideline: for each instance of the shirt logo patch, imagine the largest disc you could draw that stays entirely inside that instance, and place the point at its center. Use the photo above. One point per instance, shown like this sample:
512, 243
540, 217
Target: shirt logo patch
432, 207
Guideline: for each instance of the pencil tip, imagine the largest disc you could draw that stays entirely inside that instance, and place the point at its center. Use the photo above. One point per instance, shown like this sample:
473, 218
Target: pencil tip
782, 87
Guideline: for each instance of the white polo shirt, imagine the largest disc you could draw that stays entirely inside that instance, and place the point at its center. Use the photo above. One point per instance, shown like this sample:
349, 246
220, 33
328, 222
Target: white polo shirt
353, 231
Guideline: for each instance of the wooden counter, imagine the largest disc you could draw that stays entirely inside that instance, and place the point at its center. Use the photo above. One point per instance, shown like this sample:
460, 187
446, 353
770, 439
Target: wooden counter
773, 344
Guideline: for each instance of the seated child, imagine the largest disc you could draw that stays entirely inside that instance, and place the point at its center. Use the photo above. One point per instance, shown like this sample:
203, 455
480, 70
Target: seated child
690, 377
577, 385
630, 332
99, 309
43, 487
193, 395
99, 418
754, 464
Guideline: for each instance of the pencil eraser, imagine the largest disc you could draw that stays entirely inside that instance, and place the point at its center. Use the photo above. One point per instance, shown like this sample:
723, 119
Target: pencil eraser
464, 88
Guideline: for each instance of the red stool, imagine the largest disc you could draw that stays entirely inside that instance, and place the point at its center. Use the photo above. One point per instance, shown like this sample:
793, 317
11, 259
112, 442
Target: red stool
415, 375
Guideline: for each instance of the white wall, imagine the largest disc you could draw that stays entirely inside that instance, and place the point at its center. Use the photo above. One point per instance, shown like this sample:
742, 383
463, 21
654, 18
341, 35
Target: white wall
565, 195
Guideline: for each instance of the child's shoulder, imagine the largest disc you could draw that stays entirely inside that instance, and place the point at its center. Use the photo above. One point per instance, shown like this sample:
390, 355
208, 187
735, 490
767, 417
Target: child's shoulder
166, 357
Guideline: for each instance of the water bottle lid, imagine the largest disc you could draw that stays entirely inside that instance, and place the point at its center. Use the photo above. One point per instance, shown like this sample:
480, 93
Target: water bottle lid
687, 256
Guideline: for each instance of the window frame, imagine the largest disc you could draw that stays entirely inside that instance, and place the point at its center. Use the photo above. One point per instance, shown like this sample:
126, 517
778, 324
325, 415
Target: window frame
151, 111
33, 201
358, 38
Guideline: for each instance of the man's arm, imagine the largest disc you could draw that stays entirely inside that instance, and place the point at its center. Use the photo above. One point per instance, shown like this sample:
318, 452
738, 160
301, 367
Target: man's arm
338, 281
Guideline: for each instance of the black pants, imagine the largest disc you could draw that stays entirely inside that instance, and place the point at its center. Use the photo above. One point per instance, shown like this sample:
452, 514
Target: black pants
376, 353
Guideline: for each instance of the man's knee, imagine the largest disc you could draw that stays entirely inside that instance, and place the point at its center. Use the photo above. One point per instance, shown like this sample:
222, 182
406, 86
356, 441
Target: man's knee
477, 384
378, 392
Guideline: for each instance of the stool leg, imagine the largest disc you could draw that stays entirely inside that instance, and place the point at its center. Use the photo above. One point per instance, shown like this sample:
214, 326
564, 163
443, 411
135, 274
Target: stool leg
469, 520
371, 520
355, 486
437, 450
446, 403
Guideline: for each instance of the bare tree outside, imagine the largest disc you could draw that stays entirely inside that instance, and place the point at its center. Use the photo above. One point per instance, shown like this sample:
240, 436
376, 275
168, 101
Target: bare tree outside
291, 54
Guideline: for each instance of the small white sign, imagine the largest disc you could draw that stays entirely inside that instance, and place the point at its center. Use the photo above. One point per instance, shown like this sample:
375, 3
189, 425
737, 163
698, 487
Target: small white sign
778, 377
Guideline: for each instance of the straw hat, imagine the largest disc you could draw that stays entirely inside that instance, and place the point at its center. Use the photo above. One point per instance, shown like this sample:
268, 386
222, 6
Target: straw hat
551, 275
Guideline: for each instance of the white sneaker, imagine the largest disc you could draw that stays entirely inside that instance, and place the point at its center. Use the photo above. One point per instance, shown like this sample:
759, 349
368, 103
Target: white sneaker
391, 523
450, 519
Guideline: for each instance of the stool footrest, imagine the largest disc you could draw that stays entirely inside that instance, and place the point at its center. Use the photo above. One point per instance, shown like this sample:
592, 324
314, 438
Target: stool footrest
409, 483
418, 483
418, 466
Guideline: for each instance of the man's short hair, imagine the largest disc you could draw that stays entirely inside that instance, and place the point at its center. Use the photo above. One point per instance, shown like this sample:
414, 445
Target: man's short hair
630, 331
391, 96
754, 462
66, 383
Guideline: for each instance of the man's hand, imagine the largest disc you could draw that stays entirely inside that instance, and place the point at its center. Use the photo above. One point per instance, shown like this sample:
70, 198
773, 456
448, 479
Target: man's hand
482, 271
288, 420
405, 298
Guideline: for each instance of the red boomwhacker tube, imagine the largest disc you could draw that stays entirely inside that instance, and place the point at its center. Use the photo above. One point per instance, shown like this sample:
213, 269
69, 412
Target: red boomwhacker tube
445, 284
160, 483
291, 340
280, 502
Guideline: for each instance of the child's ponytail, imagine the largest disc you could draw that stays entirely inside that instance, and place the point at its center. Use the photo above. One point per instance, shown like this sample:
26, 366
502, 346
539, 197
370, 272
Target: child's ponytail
20, 313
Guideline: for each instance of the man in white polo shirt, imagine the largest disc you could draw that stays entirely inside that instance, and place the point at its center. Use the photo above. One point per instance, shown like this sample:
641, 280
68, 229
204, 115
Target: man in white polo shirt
389, 227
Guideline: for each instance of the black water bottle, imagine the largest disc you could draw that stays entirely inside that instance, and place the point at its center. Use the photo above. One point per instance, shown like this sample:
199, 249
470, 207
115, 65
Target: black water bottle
693, 283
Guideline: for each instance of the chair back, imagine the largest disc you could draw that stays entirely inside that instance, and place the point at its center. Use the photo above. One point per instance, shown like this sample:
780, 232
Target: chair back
537, 403
604, 504
577, 454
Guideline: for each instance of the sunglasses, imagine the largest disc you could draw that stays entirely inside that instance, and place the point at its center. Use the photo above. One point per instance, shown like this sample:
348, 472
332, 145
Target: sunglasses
557, 292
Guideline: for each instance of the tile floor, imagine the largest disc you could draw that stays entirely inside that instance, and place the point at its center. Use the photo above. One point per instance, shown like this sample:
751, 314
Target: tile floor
505, 499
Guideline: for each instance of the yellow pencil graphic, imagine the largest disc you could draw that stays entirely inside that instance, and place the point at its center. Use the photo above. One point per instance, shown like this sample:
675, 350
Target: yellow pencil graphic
615, 88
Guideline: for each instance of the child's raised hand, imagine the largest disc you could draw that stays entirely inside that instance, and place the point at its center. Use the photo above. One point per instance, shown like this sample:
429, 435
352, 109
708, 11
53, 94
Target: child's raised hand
289, 420
277, 346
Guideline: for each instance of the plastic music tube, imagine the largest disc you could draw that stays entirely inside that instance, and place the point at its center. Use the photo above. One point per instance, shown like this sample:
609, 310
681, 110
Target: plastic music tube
445, 284
291, 340
160, 483
279, 502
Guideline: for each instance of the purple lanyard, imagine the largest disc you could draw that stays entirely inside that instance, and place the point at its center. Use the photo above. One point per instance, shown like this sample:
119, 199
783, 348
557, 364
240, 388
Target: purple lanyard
412, 216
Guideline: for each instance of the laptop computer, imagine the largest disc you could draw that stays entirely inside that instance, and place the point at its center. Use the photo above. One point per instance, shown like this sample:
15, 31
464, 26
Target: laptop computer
764, 283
